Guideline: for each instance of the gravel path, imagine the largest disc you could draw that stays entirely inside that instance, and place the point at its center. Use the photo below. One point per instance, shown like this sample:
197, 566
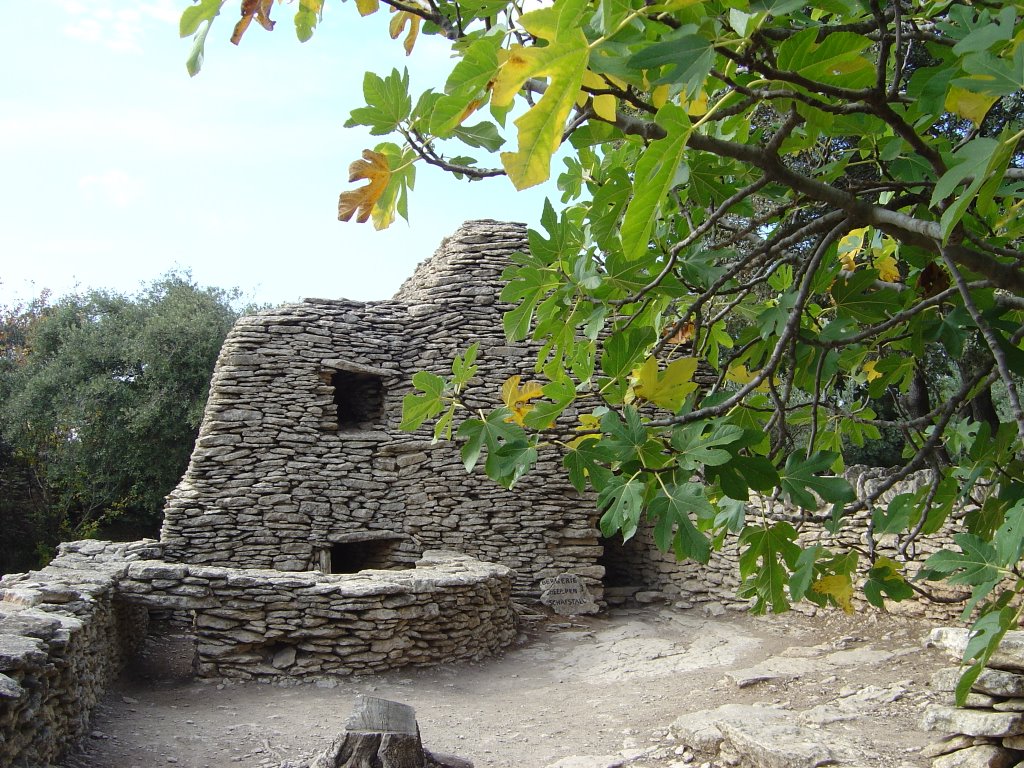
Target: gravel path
599, 689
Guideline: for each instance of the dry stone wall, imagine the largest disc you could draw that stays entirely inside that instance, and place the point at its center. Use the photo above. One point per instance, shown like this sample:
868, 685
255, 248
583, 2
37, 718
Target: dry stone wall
260, 624
300, 464
64, 635
988, 732
640, 570
65, 631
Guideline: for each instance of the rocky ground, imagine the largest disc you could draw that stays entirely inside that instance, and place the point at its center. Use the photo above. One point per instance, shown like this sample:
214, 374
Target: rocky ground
649, 688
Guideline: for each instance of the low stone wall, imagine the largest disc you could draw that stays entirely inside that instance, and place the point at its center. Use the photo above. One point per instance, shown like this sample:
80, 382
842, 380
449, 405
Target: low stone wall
66, 630
308, 625
988, 732
691, 584
64, 635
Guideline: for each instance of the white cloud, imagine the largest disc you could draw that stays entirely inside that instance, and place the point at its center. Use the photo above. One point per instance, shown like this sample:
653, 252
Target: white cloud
112, 186
117, 28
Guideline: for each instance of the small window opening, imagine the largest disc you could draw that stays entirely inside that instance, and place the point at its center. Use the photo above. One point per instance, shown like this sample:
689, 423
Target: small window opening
355, 556
359, 399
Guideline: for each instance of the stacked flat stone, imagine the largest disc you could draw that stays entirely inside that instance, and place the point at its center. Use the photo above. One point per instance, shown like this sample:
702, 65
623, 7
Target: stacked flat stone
66, 630
988, 732
275, 480
265, 624
64, 636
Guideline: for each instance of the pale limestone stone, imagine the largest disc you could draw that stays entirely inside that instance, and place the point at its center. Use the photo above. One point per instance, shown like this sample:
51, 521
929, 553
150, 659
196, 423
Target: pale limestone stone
567, 595
948, 744
284, 658
10, 688
985, 756
972, 722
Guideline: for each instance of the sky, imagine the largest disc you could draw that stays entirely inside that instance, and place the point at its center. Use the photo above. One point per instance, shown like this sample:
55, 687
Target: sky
116, 167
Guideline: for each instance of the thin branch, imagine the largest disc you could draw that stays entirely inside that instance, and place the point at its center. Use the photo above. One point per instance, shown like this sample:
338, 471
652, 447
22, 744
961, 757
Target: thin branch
1002, 364
759, 94
816, 400
814, 86
435, 16
899, 318
788, 332
916, 530
676, 249
423, 149
902, 226
900, 59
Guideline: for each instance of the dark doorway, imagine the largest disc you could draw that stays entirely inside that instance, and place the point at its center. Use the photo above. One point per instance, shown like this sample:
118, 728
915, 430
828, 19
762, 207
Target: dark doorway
355, 556
622, 563
626, 569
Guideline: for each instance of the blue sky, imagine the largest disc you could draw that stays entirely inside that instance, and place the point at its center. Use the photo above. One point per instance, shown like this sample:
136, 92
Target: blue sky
116, 167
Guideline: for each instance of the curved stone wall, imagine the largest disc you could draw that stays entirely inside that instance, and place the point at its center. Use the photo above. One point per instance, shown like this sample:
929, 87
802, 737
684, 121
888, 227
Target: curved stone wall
271, 624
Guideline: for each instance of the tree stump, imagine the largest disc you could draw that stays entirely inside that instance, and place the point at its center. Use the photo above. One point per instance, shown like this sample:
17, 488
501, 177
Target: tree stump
379, 734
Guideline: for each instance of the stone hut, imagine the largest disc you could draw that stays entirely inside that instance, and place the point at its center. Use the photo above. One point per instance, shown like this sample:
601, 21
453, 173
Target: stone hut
300, 464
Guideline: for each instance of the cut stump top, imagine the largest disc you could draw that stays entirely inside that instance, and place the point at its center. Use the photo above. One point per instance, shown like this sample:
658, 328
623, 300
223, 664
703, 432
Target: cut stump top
373, 715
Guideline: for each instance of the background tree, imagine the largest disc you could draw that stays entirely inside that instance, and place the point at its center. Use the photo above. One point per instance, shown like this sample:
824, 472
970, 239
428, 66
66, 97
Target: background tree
812, 201
101, 398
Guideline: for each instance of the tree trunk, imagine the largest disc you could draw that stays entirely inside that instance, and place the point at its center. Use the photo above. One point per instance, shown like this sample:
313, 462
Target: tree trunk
379, 734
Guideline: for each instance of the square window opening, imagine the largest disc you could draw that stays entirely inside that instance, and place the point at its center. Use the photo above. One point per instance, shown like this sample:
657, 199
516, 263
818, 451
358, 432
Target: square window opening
358, 399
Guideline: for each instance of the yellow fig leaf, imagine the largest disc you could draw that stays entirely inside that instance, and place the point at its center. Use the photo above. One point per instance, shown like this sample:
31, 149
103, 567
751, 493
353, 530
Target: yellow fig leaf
888, 268
850, 246
253, 9
738, 374
871, 371
659, 96
604, 106
968, 104
696, 106
563, 62
839, 587
666, 389
588, 422
604, 103
682, 335
540, 129
366, 7
374, 168
554, 21
517, 398
885, 261
398, 24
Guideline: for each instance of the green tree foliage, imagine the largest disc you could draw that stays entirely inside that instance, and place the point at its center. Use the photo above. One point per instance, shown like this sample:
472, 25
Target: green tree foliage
805, 201
101, 398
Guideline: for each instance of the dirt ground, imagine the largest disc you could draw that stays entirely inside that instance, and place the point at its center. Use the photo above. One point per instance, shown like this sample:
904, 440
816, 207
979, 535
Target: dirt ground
609, 685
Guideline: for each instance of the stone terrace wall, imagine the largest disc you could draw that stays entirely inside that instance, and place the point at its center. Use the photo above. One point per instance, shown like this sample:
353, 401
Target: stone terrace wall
277, 480
271, 624
63, 637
